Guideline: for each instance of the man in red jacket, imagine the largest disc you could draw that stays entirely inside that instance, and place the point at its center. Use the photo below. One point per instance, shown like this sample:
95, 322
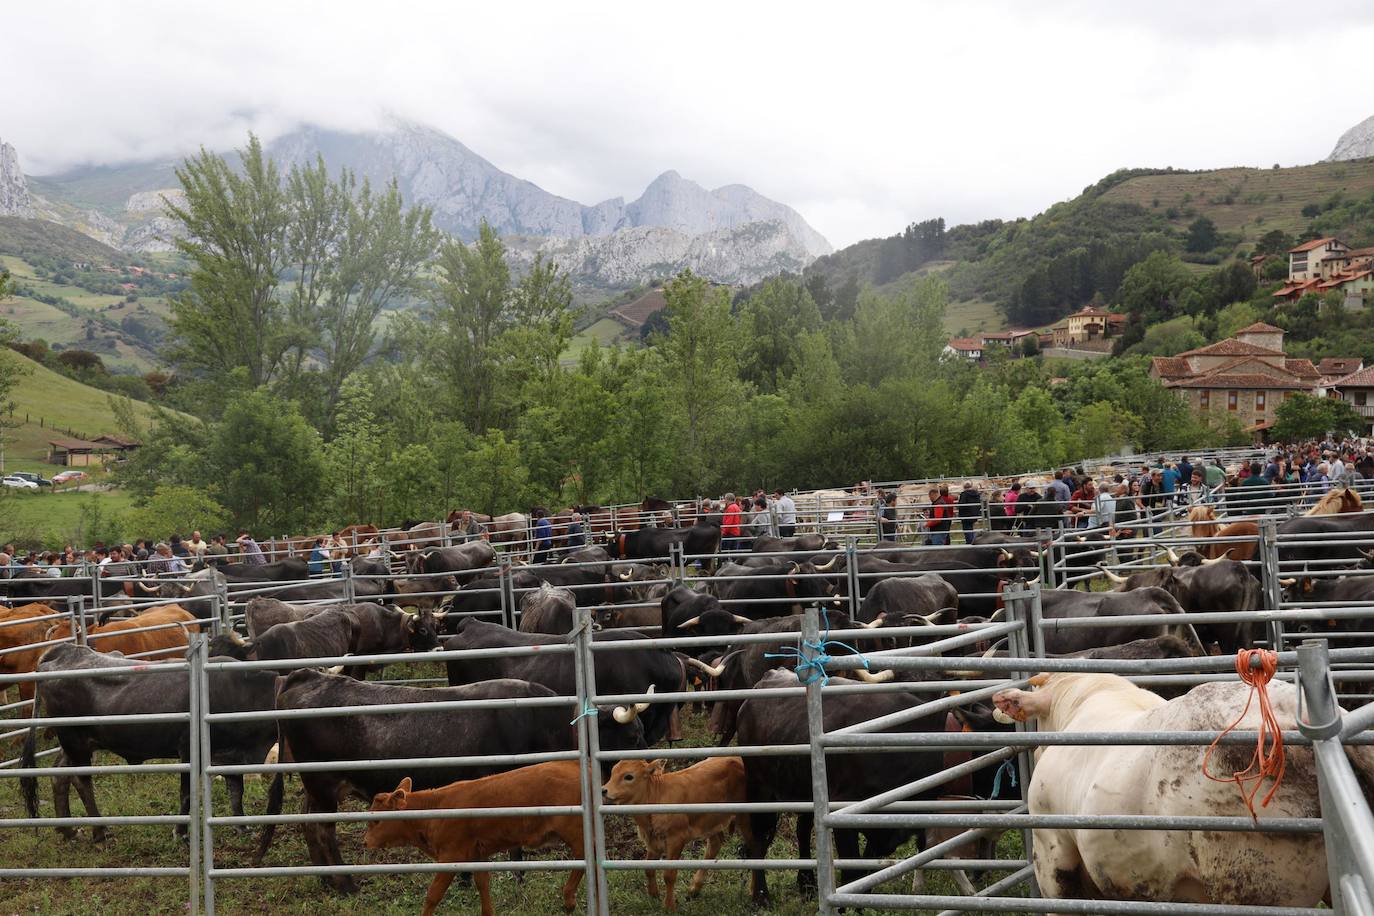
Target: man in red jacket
941, 517
729, 524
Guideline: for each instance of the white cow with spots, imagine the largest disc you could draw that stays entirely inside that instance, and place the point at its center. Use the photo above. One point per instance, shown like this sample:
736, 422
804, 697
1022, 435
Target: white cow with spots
1178, 866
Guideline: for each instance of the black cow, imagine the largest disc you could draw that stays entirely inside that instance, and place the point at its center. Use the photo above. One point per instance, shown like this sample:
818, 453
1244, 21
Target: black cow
483, 731
588, 584
288, 570
742, 666
979, 586
655, 543
464, 560
1212, 585
355, 629
548, 610
763, 591
617, 672
686, 612
30, 586
1057, 604
850, 777
593, 554
335, 589
118, 692
1349, 589
920, 595
483, 596
261, 613
330, 633
1358, 526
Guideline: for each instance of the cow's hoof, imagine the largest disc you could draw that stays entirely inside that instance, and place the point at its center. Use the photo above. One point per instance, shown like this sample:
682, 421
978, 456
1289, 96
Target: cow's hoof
66, 833
97, 834
340, 884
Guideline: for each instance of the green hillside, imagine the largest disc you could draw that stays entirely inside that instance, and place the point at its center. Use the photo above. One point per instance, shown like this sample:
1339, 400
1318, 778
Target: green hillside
44, 401
1036, 270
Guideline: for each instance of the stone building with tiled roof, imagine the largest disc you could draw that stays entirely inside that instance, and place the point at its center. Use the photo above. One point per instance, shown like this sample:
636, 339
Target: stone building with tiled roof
1246, 376
1357, 390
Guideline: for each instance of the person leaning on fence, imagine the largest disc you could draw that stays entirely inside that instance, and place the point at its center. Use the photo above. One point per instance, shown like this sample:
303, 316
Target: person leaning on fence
761, 521
787, 513
940, 519
251, 553
576, 535
467, 528
1081, 504
215, 551
196, 545
970, 507
319, 556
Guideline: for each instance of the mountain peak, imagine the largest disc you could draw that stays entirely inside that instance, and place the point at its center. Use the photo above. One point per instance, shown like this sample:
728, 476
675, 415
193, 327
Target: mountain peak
14, 190
1355, 143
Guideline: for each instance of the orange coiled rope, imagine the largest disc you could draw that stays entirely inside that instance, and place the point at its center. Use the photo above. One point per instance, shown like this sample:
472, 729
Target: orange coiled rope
1266, 761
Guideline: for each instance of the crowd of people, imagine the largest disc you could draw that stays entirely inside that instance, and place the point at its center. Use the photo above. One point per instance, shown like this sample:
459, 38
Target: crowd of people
175, 556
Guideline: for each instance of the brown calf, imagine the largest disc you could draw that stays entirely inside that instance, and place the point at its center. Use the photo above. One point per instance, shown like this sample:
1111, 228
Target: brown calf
113, 636
17, 630
476, 839
713, 780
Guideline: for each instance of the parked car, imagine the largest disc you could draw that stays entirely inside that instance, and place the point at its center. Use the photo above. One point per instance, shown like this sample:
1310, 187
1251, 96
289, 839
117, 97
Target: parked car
68, 476
32, 477
18, 483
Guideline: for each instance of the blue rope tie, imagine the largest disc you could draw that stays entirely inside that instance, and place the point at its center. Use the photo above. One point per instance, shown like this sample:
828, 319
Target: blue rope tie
587, 710
811, 670
1008, 767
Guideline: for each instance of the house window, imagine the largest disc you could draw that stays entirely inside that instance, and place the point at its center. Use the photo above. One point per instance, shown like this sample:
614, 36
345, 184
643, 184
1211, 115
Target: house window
1360, 398
1259, 400
1232, 397
1204, 399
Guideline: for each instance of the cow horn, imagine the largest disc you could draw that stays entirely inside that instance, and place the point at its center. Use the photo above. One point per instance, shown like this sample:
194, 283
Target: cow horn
741, 620
1002, 717
627, 714
1288, 583
1367, 554
627, 575
148, 591
337, 669
1173, 557
994, 647
1006, 554
998, 615
698, 663
1113, 577
186, 590
1224, 556
829, 566
440, 615
875, 622
689, 624
868, 677
931, 618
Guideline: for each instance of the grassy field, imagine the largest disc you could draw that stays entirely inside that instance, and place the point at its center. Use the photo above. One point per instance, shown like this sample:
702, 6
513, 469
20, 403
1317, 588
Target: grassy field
29, 518
725, 893
1259, 199
44, 399
35, 319
974, 316
604, 332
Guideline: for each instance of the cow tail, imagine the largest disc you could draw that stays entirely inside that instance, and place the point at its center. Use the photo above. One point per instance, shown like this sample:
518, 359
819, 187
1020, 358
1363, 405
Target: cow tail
28, 784
275, 791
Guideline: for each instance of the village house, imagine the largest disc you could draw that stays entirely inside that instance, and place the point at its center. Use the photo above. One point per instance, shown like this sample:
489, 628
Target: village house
964, 347
1090, 328
1325, 265
1316, 259
1357, 390
1246, 376
975, 348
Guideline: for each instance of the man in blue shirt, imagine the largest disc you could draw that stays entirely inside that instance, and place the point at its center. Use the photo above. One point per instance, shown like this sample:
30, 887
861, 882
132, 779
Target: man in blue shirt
1168, 479
543, 537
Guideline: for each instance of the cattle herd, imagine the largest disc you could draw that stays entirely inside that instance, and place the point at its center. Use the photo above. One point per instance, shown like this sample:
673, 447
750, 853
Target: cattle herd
322, 651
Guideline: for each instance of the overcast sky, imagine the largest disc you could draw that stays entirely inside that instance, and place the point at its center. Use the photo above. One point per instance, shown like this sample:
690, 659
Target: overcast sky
863, 117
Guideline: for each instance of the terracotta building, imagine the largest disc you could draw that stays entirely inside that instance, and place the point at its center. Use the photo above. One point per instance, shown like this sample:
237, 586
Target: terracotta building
1246, 376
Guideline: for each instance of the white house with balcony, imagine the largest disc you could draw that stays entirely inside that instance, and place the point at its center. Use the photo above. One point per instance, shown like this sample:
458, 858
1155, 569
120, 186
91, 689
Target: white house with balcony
1357, 390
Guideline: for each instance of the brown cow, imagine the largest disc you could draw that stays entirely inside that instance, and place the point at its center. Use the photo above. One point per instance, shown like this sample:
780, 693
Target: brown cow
168, 642
476, 839
1204, 525
16, 632
715, 780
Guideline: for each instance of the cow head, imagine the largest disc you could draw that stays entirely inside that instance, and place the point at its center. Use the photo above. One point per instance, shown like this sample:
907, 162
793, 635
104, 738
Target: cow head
421, 629
1017, 705
384, 834
631, 781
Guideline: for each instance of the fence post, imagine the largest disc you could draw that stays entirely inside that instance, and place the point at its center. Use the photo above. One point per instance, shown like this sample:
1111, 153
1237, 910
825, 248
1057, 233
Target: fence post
77, 611
1269, 577
820, 788
1045, 538
589, 746
851, 570
195, 672
347, 569
677, 562
504, 572
222, 600
207, 859
1028, 642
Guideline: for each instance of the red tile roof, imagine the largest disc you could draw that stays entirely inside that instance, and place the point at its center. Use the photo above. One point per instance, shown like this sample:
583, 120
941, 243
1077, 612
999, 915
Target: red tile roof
965, 343
1315, 243
1297, 287
1364, 378
1170, 367
1302, 368
1343, 278
1339, 365
1259, 327
1232, 347
1238, 380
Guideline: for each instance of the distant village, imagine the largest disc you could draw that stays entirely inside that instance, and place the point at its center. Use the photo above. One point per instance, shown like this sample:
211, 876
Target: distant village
1246, 375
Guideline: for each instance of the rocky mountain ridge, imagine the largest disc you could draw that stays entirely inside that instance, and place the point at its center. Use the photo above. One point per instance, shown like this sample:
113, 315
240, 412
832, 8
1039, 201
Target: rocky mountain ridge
1355, 143
731, 234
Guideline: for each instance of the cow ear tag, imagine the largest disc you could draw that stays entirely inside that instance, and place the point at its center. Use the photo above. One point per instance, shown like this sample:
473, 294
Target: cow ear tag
1039, 680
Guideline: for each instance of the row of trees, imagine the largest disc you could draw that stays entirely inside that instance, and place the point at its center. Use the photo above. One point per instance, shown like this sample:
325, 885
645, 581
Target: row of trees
308, 414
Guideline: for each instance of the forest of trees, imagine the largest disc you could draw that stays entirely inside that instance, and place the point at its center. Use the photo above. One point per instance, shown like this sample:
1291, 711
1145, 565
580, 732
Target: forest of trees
311, 412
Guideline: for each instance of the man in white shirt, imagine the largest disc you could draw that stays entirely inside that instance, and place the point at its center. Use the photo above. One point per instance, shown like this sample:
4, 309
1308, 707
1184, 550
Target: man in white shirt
787, 513
1337, 473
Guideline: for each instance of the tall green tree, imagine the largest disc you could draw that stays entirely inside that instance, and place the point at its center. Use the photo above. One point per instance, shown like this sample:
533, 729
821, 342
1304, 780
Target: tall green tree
268, 465
771, 324
1305, 417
